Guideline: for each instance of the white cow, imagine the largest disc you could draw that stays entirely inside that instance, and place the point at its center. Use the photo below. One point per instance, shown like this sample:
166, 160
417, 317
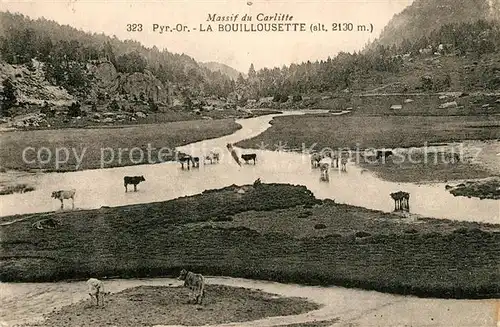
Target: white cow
62, 195
326, 161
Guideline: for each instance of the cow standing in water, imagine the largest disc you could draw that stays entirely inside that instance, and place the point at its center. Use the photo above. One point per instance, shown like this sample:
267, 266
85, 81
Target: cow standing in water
248, 157
134, 180
62, 195
196, 162
185, 160
212, 157
383, 154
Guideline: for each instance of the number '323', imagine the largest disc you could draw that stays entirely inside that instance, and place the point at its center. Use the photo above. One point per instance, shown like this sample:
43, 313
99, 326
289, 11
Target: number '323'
134, 27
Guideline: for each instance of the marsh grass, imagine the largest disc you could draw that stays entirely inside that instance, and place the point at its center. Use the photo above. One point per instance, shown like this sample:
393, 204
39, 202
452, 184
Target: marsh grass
264, 239
17, 188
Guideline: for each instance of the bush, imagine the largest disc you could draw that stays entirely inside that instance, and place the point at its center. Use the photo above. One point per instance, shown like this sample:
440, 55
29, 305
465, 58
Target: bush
305, 214
152, 105
114, 106
75, 110
319, 226
362, 234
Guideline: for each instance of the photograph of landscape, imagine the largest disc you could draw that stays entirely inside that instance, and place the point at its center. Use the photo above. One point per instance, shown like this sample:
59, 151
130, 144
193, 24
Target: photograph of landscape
263, 163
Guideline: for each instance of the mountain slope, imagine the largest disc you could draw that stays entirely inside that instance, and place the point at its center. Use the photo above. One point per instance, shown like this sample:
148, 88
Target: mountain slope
224, 69
423, 16
67, 53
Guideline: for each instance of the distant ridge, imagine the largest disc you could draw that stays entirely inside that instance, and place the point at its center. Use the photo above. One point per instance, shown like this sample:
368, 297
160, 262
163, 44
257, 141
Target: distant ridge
422, 17
224, 69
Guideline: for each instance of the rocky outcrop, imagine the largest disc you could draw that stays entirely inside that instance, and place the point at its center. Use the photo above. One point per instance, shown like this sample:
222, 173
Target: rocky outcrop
32, 87
106, 76
145, 83
108, 81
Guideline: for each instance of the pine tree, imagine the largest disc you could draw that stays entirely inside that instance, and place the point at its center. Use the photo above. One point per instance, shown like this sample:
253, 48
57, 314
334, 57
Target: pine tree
251, 72
8, 97
240, 79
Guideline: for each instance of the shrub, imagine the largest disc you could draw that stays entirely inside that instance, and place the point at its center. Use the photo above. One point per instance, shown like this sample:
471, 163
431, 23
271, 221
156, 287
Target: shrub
362, 234
319, 226
75, 110
114, 106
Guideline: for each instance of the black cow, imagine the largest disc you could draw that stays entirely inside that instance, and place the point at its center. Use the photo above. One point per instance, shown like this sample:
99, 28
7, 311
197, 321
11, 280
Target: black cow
185, 160
384, 153
248, 157
134, 180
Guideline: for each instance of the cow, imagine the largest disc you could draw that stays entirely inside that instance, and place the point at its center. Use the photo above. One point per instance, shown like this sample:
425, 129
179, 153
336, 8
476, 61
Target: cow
324, 168
248, 157
65, 194
96, 290
212, 157
185, 160
195, 283
315, 159
196, 162
134, 180
384, 153
343, 164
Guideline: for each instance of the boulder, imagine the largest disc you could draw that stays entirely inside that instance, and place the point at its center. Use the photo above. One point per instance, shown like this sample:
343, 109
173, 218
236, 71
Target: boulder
452, 104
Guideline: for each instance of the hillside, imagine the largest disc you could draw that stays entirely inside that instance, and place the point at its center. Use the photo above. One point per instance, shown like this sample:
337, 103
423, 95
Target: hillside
48, 63
224, 69
431, 46
424, 16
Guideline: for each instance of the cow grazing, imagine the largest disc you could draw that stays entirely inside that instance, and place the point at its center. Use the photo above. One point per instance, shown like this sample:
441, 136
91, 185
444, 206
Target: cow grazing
64, 195
195, 283
248, 157
96, 290
134, 180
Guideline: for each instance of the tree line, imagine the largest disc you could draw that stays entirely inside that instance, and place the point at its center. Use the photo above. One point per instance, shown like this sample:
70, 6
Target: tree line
472, 39
65, 52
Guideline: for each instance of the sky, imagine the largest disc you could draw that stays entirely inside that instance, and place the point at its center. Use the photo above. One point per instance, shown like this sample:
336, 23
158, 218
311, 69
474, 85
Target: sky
236, 49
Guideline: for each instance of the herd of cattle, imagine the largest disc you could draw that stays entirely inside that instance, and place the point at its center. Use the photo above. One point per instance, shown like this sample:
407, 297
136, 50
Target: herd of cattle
194, 282
189, 161
318, 160
339, 160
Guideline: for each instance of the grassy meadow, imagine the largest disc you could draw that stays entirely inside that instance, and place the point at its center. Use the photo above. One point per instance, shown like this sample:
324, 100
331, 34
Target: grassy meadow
316, 132
167, 135
270, 232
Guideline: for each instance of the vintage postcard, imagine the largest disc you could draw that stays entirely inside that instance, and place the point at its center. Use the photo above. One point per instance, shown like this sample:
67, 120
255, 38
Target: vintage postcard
250, 163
